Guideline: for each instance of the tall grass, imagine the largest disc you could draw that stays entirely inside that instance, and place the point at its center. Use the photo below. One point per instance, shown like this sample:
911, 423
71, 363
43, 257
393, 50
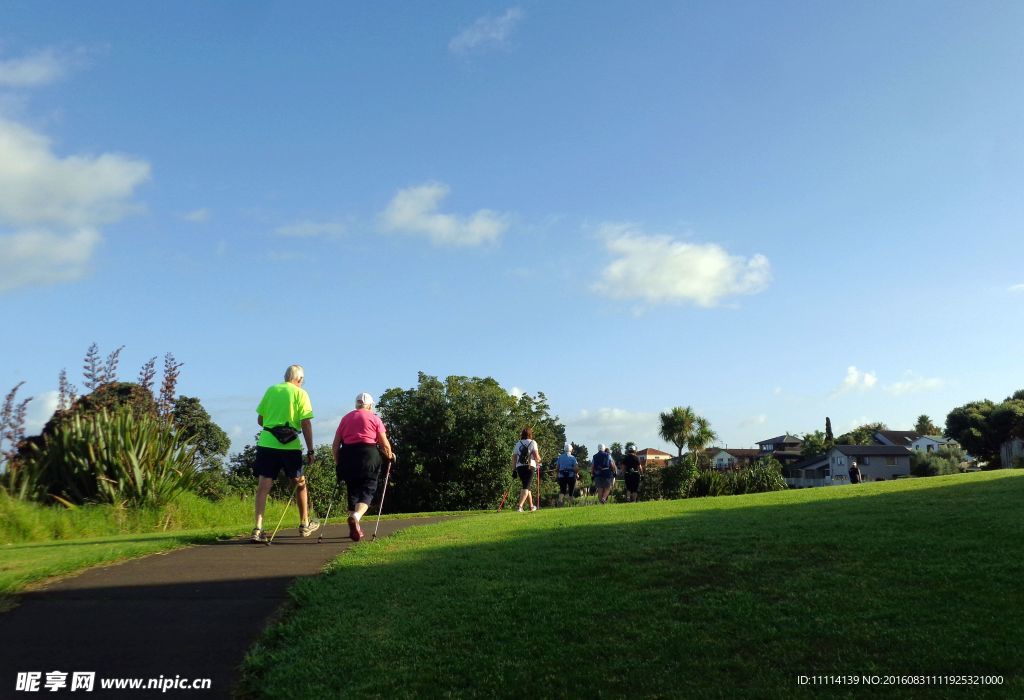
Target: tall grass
23, 521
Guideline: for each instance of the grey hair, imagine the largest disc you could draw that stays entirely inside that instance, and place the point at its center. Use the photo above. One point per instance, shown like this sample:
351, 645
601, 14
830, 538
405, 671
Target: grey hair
294, 372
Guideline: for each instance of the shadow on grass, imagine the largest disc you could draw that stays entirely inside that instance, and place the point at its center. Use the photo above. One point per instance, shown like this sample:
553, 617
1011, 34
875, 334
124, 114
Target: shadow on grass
702, 598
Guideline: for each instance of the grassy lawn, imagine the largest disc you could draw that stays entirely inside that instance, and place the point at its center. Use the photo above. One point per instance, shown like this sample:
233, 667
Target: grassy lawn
38, 542
708, 597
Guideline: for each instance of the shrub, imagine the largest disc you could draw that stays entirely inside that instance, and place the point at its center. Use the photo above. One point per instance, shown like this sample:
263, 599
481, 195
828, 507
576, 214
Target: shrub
119, 458
945, 460
763, 475
709, 482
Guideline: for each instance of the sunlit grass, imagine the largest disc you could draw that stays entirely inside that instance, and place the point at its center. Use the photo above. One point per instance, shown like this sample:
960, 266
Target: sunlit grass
705, 597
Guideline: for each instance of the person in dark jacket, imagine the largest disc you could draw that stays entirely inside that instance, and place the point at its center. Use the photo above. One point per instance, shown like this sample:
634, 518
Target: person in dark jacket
855, 475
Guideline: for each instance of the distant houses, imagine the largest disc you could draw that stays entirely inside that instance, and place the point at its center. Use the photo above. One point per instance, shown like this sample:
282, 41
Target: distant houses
730, 459
888, 458
876, 463
651, 458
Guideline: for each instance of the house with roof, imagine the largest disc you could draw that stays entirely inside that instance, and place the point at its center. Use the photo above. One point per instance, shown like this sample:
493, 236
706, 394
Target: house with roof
902, 438
728, 459
931, 443
876, 462
651, 458
785, 448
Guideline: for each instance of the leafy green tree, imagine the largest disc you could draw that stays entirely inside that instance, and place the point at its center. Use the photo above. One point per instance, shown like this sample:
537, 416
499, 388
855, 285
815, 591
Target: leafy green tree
815, 444
581, 453
830, 439
924, 426
676, 426
861, 435
1007, 422
701, 436
945, 460
616, 450
454, 441
192, 422
969, 426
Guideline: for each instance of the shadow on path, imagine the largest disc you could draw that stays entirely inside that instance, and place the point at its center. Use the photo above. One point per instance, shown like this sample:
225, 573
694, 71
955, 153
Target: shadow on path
191, 613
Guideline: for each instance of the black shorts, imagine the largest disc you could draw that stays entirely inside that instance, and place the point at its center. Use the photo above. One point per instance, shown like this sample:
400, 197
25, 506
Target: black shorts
359, 468
633, 481
566, 484
270, 461
525, 475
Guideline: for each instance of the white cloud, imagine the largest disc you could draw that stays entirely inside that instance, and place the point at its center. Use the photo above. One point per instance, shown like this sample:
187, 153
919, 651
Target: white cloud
1016, 288
33, 70
40, 411
487, 32
912, 384
856, 380
197, 216
311, 229
54, 206
661, 269
609, 425
759, 419
39, 188
414, 211
42, 257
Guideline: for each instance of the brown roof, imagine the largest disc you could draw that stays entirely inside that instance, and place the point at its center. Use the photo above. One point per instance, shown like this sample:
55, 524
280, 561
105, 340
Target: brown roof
741, 453
651, 452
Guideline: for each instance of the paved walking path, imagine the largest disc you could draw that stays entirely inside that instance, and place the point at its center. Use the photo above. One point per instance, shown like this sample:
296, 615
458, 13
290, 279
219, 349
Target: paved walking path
191, 613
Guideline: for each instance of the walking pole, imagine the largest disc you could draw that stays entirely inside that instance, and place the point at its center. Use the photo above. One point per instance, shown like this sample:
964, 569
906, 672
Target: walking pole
538, 485
283, 513
503, 497
323, 528
382, 494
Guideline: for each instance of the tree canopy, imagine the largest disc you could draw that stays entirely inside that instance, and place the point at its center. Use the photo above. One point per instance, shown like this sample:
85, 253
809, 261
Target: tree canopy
454, 440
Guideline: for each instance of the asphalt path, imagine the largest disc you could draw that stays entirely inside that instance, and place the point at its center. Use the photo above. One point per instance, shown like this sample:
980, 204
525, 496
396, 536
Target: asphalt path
176, 617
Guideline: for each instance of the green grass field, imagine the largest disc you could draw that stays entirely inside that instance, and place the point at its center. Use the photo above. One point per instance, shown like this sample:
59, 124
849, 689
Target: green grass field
38, 542
707, 597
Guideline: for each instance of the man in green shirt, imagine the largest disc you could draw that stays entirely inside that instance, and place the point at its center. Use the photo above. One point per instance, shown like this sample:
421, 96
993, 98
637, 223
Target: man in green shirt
284, 412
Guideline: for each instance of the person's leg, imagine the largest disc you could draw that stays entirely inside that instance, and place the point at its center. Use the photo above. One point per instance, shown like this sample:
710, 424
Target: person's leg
302, 498
262, 491
523, 493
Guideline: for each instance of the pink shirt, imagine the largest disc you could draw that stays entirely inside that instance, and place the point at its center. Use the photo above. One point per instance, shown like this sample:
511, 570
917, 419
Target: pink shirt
360, 427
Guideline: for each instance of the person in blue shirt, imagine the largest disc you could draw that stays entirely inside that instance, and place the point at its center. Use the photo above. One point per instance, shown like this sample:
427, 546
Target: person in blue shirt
603, 469
568, 473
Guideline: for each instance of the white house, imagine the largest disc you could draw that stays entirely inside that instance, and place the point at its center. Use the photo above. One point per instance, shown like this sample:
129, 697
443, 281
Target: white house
725, 459
931, 443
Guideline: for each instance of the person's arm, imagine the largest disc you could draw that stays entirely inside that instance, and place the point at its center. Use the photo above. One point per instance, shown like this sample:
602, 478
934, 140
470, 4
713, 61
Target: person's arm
536, 454
336, 447
307, 434
385, 446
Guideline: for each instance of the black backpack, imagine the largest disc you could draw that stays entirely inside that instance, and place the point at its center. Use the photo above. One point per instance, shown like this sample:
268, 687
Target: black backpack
525, 451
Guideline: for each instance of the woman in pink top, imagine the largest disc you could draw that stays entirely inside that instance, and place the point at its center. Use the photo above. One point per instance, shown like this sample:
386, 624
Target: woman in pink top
358, 444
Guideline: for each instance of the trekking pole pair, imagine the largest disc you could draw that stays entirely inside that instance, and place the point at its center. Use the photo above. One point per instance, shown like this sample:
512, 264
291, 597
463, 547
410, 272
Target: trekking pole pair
334, 497
309, 504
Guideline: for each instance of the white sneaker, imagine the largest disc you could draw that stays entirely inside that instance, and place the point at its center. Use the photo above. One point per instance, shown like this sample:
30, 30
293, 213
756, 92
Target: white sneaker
533, 508
520, 510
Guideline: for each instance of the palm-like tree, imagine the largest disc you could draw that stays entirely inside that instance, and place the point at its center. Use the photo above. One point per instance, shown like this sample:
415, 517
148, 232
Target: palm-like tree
701, 435
676, 426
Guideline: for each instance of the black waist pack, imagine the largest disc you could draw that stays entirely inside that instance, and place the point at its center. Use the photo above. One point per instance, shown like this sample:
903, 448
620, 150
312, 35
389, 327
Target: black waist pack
283, 433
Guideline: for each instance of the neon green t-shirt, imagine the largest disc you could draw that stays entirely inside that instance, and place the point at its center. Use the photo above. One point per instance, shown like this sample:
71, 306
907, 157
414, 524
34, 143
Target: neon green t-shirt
283, 404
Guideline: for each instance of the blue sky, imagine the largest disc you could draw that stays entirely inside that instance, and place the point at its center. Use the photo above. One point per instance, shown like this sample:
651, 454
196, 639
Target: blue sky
771, 212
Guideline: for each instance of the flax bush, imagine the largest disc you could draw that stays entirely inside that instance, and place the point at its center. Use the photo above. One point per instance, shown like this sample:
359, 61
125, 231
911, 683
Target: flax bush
120, 457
